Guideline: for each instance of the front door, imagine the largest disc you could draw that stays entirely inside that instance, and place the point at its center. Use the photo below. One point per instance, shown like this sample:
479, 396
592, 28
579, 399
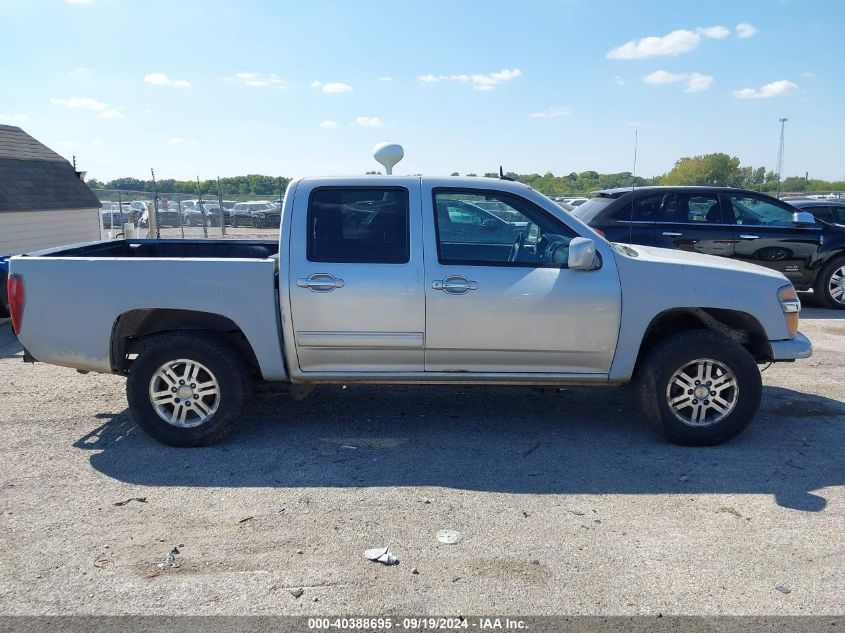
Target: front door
499, 296
356, 278
766, 235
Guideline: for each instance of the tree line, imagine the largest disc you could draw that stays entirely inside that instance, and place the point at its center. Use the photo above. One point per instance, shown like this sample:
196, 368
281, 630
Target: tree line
718, 170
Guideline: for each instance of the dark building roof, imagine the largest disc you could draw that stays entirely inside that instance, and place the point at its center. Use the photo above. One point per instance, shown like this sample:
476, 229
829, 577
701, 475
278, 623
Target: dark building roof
34, 178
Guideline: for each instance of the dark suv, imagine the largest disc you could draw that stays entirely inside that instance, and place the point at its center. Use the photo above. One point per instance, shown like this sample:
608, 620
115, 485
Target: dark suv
728, 222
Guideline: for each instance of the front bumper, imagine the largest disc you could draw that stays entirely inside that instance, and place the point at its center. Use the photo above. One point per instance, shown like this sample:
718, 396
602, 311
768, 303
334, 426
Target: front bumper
791, 349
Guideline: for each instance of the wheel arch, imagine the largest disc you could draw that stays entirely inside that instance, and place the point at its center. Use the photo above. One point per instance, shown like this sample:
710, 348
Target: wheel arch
741, 327
131, 329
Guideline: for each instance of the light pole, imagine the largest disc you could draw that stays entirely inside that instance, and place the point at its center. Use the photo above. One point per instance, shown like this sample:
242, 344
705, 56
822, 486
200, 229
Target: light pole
780, 152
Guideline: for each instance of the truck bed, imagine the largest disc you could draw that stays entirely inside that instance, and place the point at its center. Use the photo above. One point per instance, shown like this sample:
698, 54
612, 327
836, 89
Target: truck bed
98, 283
156, 249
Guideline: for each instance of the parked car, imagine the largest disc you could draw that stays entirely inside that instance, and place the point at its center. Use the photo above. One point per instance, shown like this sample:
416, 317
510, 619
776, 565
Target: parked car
829, 211
458, 218
734, 223
194, 215
255, 214
575, 202
398, 300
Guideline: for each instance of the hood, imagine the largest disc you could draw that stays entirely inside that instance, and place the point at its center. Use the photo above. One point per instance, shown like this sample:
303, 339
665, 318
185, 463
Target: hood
697, 260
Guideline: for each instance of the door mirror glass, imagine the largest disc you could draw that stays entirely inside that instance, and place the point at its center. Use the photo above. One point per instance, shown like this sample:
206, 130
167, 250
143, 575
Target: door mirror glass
582, 254
803, 217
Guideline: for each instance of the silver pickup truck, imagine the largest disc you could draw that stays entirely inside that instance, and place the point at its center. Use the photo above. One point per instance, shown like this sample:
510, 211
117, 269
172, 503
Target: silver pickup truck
385, 280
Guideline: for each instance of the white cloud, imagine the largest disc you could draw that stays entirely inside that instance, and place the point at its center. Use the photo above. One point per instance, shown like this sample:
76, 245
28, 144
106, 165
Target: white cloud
97, 141
369, 121
808, 74
745, 30
661, 77
160, 79
81, 73
336, 87
551, 113
256, 80
16, 118
620, 81
775, 89
674, 43
384, 78
328, 124
696, 82
178, 140
111, 114
316, 84
714, 32
478, 81
80, 102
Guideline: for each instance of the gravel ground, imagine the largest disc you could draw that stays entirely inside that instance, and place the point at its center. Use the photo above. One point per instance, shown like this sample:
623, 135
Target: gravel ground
566, 502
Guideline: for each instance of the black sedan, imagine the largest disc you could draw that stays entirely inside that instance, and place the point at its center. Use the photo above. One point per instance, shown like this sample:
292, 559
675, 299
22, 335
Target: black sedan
728, 222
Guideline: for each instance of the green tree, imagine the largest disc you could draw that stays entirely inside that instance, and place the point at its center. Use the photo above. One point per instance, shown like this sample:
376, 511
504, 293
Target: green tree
715, 170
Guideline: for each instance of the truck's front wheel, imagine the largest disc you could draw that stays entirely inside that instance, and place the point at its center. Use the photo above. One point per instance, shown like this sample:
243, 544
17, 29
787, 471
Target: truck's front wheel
699, 388
187, 389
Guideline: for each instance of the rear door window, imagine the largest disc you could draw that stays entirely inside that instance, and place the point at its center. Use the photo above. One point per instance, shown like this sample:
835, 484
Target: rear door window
644, 209
356, 224
692, 208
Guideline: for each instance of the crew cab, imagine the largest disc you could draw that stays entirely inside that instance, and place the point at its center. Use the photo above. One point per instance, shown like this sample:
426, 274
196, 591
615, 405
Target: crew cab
735, 223
369, 283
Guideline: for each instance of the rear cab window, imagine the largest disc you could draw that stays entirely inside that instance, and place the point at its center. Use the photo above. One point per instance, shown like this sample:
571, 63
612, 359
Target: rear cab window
359, 225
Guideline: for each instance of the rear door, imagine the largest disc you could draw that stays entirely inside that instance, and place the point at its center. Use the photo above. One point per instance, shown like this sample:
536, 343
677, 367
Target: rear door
694, 221
765, 234
355, 278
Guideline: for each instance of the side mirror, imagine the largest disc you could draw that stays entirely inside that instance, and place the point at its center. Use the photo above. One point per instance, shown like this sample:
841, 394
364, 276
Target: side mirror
803, 217
582, 254
490, 224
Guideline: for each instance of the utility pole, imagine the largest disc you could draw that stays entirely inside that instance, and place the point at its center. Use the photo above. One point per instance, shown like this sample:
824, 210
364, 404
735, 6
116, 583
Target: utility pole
780, 151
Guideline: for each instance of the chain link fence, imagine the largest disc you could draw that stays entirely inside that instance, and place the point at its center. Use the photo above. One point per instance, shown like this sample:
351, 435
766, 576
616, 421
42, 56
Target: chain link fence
187, 216
238, 216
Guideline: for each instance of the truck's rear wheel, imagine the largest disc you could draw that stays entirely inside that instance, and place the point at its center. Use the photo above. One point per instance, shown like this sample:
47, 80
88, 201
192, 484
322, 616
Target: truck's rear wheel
187, 389
699, 388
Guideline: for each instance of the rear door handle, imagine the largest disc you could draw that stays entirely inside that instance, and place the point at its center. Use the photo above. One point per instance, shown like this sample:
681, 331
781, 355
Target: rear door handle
455, 285
749, 236
672, 234
320, 282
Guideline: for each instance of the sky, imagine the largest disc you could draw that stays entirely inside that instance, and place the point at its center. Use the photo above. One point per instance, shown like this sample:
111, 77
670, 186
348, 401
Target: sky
200, 88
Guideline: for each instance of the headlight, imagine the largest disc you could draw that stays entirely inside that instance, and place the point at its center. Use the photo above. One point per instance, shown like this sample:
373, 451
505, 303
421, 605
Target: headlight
791, 305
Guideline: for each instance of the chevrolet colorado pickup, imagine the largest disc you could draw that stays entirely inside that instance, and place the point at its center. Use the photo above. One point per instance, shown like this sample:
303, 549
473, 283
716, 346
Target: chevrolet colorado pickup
388, 279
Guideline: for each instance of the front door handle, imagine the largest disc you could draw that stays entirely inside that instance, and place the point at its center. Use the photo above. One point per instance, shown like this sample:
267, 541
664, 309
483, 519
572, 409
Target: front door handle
749, 236
320, 282
672, 234
455, 285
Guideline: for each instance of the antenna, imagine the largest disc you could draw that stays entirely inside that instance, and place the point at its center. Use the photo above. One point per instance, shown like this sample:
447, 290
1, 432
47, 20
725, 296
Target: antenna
502, 175
633, 186
780, 152
388, 154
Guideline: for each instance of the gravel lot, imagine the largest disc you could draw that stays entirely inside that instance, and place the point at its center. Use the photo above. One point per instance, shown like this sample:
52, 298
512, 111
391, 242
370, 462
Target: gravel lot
567, 503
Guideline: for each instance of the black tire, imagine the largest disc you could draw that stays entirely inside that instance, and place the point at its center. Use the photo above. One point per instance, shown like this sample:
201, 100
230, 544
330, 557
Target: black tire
220, 358
656, 385
4, 296
822, 288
